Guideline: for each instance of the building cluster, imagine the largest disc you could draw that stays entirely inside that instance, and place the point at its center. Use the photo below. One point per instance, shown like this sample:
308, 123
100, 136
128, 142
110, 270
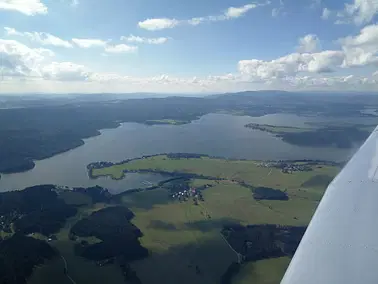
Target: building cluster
7, 220
286, 167
190, 193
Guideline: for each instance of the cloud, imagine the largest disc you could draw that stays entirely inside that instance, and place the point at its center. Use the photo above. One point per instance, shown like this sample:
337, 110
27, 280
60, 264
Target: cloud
359, 12
309, 43
362, 49
158, 24
19, 60
65, 71
120, 48
236, 12
138, 39
88, 43
229, 13
291, 65
27, 7
40, 37
326, 14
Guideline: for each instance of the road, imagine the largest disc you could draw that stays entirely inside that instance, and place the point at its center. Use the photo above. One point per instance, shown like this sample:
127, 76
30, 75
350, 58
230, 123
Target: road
239, 256
66, 270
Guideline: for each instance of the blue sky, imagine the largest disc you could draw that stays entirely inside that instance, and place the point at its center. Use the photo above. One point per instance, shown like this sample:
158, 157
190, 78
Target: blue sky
184, 46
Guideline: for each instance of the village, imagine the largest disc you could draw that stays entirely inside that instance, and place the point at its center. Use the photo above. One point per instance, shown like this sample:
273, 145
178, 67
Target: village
286, 167
185, 195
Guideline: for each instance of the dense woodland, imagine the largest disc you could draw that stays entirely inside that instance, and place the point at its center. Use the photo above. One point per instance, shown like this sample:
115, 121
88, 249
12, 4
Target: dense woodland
119, 237
340, 137
267, 193
257, 242
41, 131
18, 257
35, 209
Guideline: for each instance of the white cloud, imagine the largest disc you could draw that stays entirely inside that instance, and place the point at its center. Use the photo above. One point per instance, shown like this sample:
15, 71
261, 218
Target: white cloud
362, 49
19, 60
236, 12
87, 43
65, 71
308, 69
292, 64
40, 37
158, 24
229, 13
309, 43
138, 39
27, 7
326, 14
120, 48
360, 12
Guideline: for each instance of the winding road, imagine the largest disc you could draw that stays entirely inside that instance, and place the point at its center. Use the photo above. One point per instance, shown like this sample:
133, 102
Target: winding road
66, 270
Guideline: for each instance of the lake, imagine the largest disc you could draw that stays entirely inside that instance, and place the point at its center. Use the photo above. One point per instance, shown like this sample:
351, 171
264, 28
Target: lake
213, 134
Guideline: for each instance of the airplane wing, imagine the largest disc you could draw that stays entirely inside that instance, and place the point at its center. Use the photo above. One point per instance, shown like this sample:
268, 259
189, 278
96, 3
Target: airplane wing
340, 245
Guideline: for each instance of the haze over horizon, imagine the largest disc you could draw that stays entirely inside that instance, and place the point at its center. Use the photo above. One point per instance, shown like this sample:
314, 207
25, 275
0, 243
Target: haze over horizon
186, 47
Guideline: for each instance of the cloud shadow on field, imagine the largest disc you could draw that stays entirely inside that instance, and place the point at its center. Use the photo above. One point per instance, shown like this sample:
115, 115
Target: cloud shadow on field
209, 225
158, 224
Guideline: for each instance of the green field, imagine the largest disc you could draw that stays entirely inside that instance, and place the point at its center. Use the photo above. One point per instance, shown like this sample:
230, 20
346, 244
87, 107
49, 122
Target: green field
179, 235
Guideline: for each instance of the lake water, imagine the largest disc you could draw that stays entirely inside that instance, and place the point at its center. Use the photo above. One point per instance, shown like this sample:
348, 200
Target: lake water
213, 134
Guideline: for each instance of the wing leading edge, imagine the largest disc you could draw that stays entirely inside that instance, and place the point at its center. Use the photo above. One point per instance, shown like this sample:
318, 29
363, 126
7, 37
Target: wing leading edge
340, 245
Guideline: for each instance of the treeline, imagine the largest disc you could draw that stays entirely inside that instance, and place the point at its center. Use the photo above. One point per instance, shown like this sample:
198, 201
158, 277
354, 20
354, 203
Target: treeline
35, 209
119, 237
257, 242
97, 193
340, 137
267, 193
19, 255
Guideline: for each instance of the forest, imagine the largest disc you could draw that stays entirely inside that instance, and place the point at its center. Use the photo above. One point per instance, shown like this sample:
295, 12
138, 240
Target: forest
267, 193
340, 137
35, 209
257, 242
119, 237
19, 255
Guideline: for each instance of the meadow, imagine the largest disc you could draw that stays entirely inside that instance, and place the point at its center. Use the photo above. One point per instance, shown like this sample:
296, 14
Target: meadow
186, 245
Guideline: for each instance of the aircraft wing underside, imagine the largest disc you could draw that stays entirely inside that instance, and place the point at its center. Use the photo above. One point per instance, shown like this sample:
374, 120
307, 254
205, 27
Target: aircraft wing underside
340, 245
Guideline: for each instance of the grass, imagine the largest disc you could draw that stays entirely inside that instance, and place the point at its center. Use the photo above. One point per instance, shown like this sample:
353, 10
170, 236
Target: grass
179, 236
268, 271
185, 245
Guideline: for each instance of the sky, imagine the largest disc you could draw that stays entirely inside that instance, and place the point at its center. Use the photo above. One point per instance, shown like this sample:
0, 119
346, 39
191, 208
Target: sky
187, 46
